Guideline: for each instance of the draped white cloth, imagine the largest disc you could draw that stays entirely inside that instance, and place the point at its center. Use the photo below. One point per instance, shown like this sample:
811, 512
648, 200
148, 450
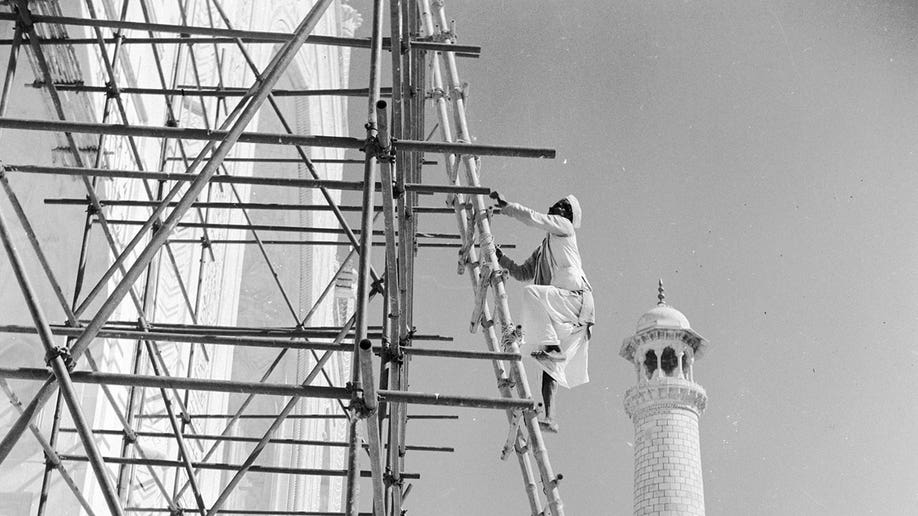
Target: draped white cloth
557, 310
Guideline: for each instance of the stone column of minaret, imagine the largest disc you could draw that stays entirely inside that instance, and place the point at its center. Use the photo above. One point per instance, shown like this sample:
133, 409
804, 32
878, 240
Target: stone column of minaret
665, 406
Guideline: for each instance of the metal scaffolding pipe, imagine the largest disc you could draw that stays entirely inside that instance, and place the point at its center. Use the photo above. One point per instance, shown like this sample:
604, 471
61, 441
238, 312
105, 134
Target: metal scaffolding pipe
240, 439
219, 92
438, 245
332, 142
275, 228
209, 336
245, 180
172, 382
371, 404
165, 463
65, 201
244, 512
230, 34
424, 417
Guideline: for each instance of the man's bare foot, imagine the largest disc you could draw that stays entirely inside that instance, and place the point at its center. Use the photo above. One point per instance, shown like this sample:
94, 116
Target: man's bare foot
548, 425
554, 356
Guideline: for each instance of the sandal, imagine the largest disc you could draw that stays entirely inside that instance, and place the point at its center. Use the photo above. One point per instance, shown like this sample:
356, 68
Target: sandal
549, 426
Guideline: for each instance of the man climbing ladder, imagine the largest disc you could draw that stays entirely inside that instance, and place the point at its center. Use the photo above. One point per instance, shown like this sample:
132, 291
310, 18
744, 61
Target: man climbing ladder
557, 311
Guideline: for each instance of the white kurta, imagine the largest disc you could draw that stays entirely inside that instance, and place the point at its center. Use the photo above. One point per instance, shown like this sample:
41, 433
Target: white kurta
557, 310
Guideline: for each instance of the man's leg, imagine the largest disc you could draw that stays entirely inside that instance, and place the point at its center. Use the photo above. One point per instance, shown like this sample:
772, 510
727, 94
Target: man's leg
538, 328
549, 389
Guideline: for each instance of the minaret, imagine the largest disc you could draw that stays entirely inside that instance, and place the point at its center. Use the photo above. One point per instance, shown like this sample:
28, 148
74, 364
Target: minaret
665, 406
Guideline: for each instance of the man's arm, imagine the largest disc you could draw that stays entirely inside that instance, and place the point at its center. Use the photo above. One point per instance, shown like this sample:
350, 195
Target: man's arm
521, 272
554, 224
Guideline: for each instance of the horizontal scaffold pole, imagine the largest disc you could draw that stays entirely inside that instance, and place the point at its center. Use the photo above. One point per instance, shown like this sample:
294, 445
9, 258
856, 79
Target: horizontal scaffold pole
165, 463
256, 342
238, 180
282, 229
438, 245
236, 205
313, 391
470, 50
241, 439
192, 91
292, 416
459, 353
210, 338
242, 512
299, 160
332, 142
251, 36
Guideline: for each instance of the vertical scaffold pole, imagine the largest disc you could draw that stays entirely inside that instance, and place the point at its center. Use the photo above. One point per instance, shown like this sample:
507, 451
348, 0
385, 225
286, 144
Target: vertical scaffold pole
363, 284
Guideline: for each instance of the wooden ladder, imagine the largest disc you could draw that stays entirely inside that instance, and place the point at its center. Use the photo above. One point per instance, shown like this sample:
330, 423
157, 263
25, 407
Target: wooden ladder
477, 256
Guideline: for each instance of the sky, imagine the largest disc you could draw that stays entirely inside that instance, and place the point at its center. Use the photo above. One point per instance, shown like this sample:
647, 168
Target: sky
759, 157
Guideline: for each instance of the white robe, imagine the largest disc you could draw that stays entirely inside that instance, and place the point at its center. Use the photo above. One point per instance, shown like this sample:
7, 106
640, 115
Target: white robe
557, 310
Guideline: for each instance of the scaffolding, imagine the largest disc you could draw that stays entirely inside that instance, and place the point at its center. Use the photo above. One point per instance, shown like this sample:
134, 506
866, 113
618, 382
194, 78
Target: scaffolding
178, 196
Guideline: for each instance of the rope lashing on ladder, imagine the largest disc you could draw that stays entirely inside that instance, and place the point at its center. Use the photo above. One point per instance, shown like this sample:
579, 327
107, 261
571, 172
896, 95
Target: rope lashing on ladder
511, 337
487, 278
514, 436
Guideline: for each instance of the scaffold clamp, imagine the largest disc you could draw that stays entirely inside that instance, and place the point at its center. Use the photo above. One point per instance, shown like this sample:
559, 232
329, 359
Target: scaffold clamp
64, 353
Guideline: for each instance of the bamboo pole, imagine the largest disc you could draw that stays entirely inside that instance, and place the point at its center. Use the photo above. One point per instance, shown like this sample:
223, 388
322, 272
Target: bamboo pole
247, 512
205, 91
363, 292
424, 417
165, 463
246, 180
437, 245
333, 142
221, 340
371, 404
250, 36
275, 228
395, 278
10, 69
233, 205
242, 439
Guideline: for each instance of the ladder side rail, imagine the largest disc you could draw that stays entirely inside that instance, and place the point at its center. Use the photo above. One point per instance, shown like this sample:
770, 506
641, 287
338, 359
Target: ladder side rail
537, 442
502, 375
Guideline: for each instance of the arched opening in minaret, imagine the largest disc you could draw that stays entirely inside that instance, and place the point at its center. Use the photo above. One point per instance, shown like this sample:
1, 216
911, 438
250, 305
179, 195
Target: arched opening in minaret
650, 363
668, 361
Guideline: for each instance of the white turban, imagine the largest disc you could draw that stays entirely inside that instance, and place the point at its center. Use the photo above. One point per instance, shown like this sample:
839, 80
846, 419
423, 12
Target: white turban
575, 210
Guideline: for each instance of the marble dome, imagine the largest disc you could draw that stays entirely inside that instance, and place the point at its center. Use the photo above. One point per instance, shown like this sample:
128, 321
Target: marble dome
663, 316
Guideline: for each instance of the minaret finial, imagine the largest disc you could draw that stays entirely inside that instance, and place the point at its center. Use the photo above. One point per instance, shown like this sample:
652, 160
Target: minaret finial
661, 293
